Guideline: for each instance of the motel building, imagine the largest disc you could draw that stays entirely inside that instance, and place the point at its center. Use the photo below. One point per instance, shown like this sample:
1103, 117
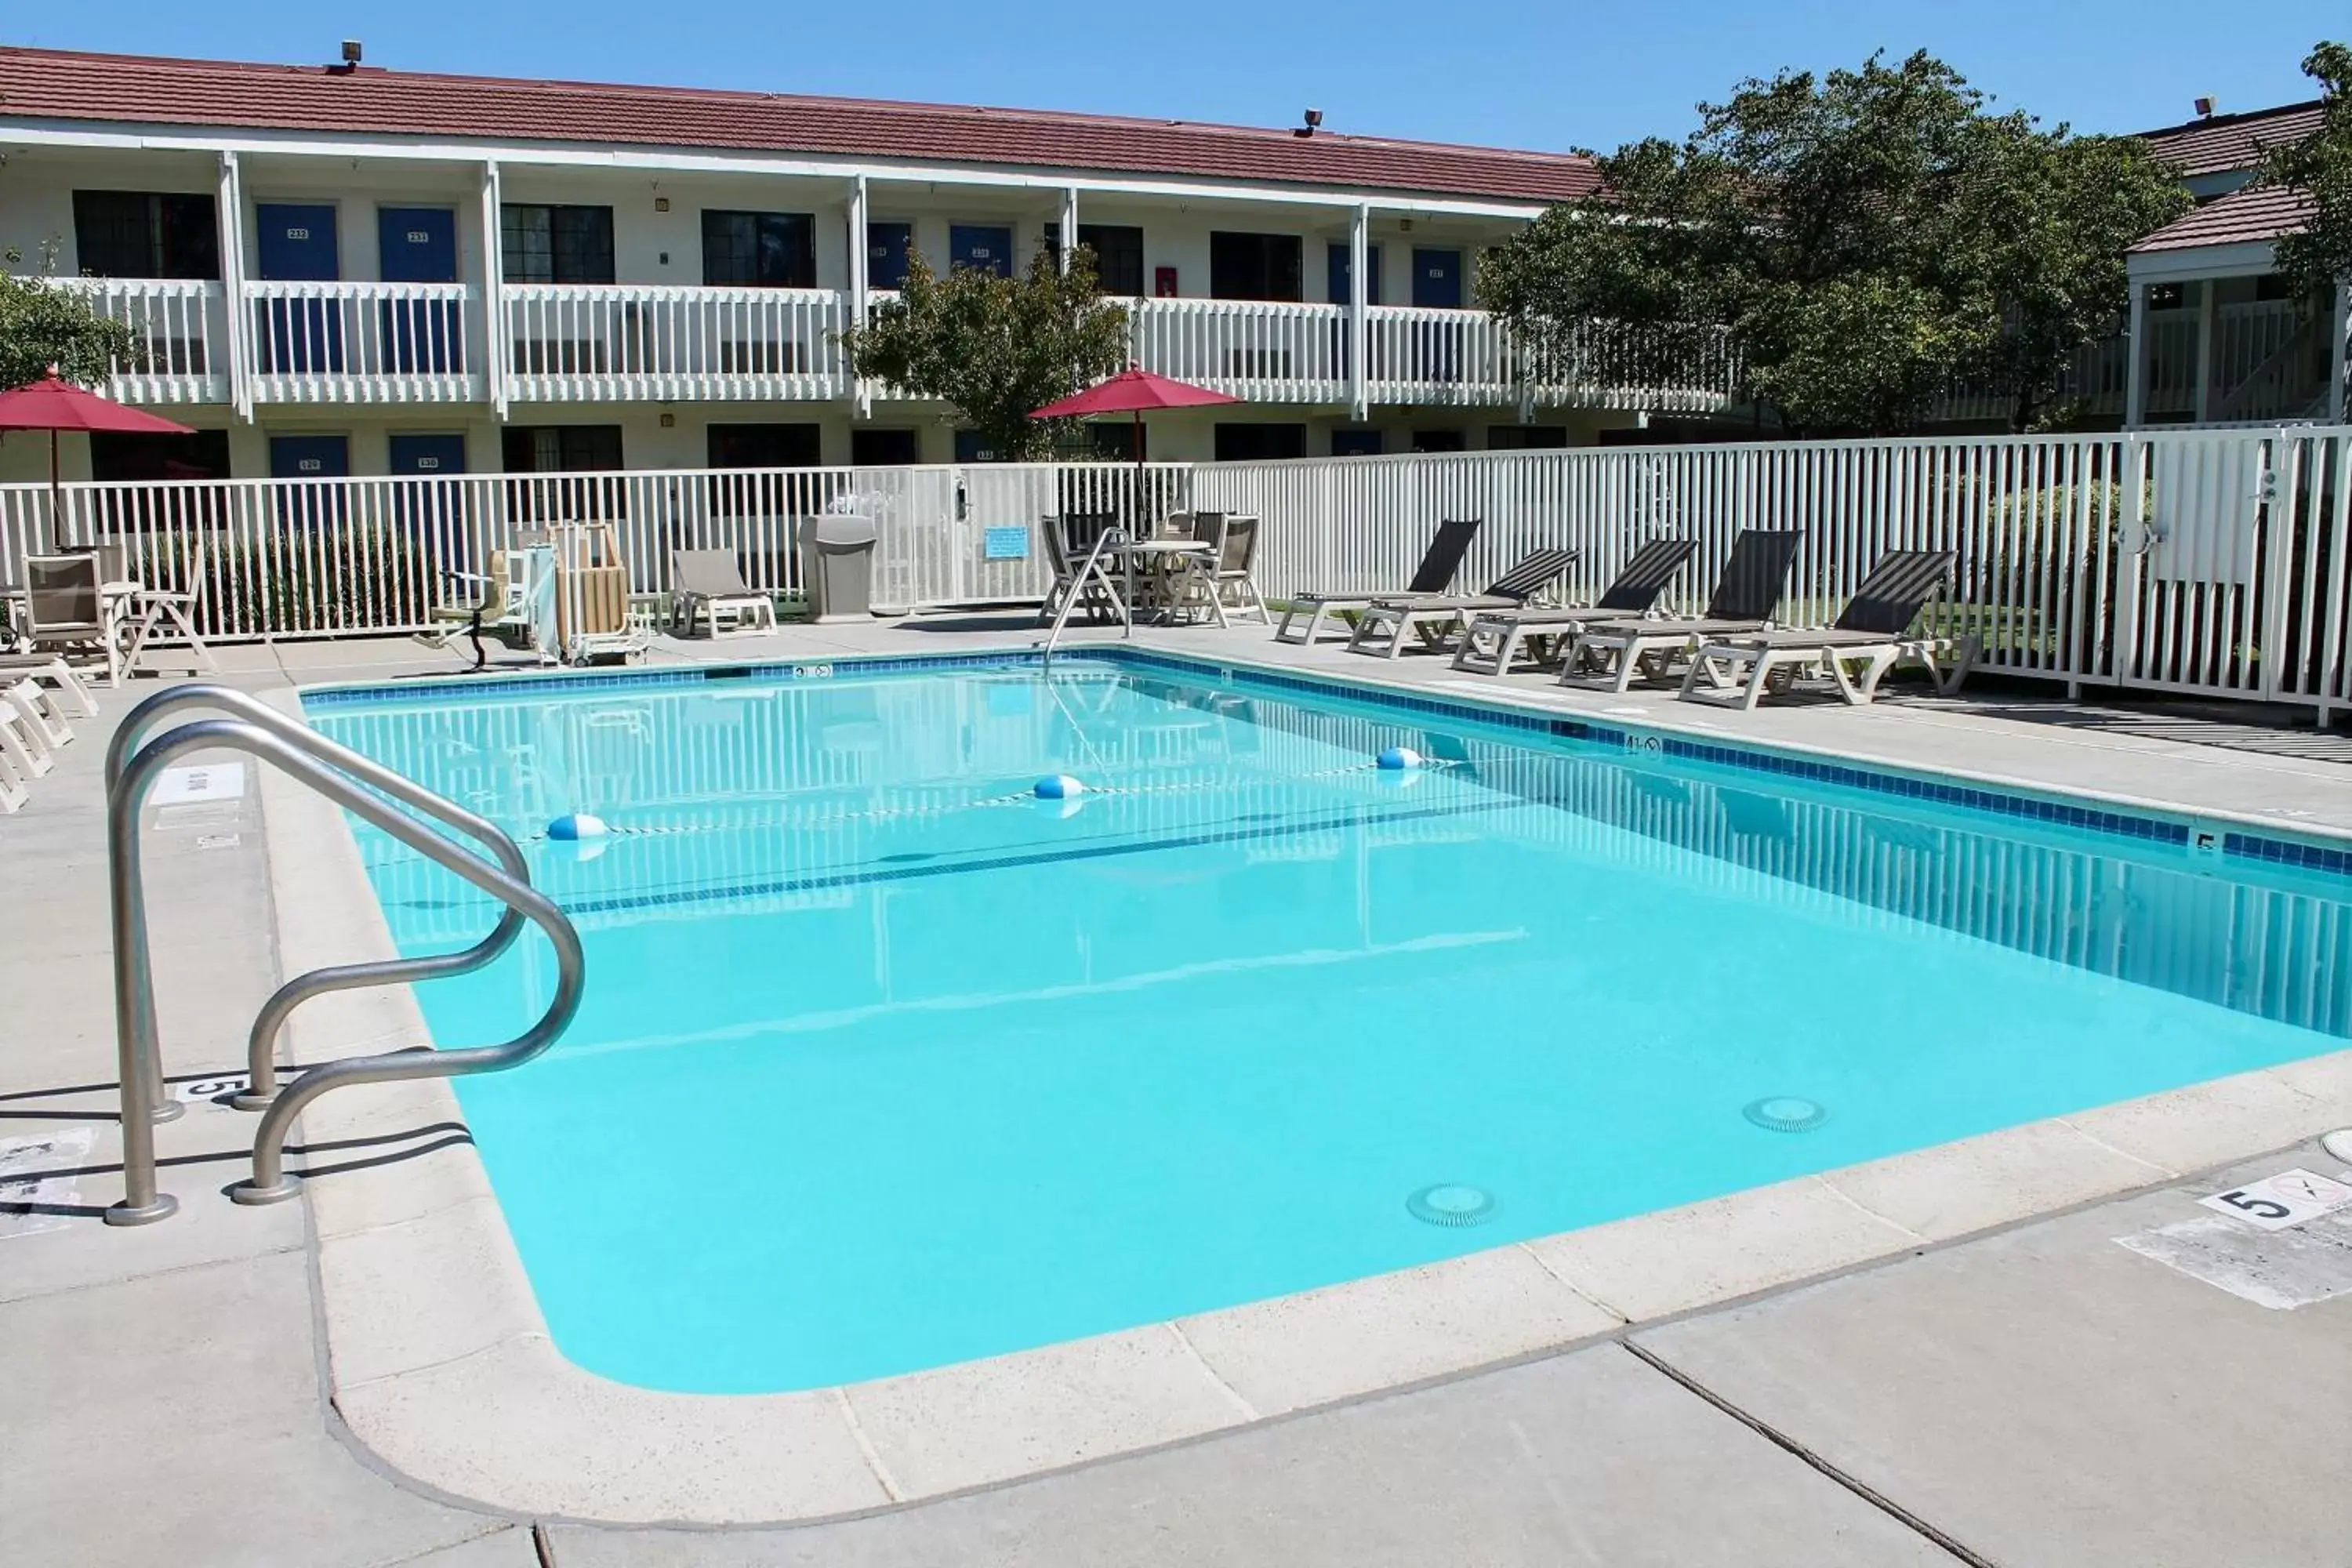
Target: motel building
336, 268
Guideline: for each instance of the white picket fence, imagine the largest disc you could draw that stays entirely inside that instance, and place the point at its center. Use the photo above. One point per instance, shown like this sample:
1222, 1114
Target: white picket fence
366, 556
2206, 562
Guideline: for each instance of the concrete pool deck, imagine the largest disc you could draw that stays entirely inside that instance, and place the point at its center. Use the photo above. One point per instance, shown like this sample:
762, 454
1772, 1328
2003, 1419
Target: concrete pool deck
1591, 1450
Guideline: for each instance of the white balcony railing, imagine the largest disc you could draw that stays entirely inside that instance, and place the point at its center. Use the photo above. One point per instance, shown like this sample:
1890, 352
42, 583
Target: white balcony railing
179, 330
364, 342
571, 342
1259, 351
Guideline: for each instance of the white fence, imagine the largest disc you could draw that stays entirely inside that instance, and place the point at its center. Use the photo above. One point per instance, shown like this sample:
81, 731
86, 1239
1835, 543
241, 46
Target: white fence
356, 556
364, 342
2208, 562
627, 342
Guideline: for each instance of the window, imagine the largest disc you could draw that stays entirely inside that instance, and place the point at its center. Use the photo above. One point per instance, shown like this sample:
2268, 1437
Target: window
556, 244
765, 250
882, 448
116, 454
559, 448
1525, 438
1256, 442
1119, 255
764, 446
1254, 267
141, 233
1440, 441
1355, 441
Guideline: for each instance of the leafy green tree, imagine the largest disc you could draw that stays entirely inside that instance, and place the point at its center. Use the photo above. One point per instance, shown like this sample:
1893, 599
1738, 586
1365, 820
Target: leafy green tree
2320, 167
1867, 240
993, 348
43, 325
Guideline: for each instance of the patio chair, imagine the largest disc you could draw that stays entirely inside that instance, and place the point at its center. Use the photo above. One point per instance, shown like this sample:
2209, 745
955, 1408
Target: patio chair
1871, 635
1494, 637
12, 791
173, 612
1382, 627
1068, 540
40, 667
709, 584
1434, 576
65, 610
1225, 578
1607, 656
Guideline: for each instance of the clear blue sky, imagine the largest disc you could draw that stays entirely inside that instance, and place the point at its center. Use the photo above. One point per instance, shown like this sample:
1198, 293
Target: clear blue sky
1507, 72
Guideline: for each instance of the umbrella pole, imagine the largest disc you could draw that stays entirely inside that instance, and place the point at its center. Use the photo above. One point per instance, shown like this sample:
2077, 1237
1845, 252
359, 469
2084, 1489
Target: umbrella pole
1137, 415
56, 523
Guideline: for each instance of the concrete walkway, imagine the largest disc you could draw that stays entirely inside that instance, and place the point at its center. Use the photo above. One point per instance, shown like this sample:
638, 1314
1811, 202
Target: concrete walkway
2038, 1397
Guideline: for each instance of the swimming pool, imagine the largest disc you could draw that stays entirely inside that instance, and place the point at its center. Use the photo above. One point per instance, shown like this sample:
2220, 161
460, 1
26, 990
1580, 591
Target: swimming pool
886, 1064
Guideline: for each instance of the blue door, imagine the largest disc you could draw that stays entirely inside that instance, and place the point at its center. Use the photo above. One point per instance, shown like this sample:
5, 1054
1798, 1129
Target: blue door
1437, 285
419, 245
886, 245
309, 457
1437, 280
1352, 442
297, 244
431, 509
981, 246
1341, 293
428, 456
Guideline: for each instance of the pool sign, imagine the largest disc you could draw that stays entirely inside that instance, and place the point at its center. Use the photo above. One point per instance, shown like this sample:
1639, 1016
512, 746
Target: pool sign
2286, 1199
1005, 543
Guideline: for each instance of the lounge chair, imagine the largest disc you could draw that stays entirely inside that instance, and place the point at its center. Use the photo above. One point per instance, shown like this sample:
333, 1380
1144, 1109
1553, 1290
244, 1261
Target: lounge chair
1607, 655
1871, 635
1382, 627
708, 585
28, 739
1494, 636
57, 673
1434, 576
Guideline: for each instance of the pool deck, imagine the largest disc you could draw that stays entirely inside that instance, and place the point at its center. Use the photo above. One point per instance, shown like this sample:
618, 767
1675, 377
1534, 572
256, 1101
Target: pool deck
1949, 1359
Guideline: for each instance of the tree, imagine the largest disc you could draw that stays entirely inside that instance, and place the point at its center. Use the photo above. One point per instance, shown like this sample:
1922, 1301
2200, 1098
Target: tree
2320, 168
1866, 240
43, 325
993, 348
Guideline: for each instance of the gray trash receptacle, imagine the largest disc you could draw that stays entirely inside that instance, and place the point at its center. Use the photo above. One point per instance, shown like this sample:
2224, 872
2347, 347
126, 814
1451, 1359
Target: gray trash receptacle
837, 566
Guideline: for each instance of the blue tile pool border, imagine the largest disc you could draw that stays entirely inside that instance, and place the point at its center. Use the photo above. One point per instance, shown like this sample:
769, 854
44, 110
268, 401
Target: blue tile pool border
2299, 854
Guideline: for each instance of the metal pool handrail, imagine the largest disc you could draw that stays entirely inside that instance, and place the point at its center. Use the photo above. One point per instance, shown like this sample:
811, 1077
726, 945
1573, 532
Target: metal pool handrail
1103, 541
261, 1042
134, 997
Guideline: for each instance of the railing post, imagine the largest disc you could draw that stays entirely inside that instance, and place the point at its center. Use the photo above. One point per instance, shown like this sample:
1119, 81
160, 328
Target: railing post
494, 299
2339, 329
860, 285
229, 211
2135, 358
1359, 291
2202, 407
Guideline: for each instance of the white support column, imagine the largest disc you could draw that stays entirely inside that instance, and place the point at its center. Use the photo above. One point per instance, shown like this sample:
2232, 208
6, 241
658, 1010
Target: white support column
494, 288
2135, 358
861, 254
1069, 223
2204, 350
228, 213
1359, 291
2339, 347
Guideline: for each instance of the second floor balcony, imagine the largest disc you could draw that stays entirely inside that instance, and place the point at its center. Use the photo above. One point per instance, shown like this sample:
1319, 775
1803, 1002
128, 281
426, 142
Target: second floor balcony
393, 343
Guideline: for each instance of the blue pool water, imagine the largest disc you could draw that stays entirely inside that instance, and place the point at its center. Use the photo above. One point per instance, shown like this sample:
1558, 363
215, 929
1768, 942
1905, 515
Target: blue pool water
885, 1064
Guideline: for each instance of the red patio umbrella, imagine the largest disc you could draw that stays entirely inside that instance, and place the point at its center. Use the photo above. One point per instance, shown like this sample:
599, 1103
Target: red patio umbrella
1131, 391
53, 404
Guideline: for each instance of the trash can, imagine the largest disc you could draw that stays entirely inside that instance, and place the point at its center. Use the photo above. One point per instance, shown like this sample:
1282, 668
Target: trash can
837, 566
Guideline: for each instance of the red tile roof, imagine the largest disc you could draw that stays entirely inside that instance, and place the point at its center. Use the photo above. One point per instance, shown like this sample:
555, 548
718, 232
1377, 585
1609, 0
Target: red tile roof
2223, 142
2257, 212
147, 91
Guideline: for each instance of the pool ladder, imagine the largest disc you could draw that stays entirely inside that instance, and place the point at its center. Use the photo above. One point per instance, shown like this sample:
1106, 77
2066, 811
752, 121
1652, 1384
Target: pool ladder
360, 786
1110, 538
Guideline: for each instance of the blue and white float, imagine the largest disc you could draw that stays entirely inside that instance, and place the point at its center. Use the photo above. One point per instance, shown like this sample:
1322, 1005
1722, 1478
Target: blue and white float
576, 827
1059, 787
1399, 759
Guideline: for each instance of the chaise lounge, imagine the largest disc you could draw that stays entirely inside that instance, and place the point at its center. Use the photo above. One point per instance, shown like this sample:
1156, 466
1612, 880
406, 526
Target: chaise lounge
1386, 622
1434, 576
1494, 637
1871, 635
1607, 656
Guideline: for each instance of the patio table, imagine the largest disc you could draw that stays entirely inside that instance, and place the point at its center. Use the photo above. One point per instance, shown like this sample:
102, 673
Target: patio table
1159, 557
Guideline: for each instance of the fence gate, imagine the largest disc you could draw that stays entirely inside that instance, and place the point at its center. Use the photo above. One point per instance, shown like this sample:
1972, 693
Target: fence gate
2206, 568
